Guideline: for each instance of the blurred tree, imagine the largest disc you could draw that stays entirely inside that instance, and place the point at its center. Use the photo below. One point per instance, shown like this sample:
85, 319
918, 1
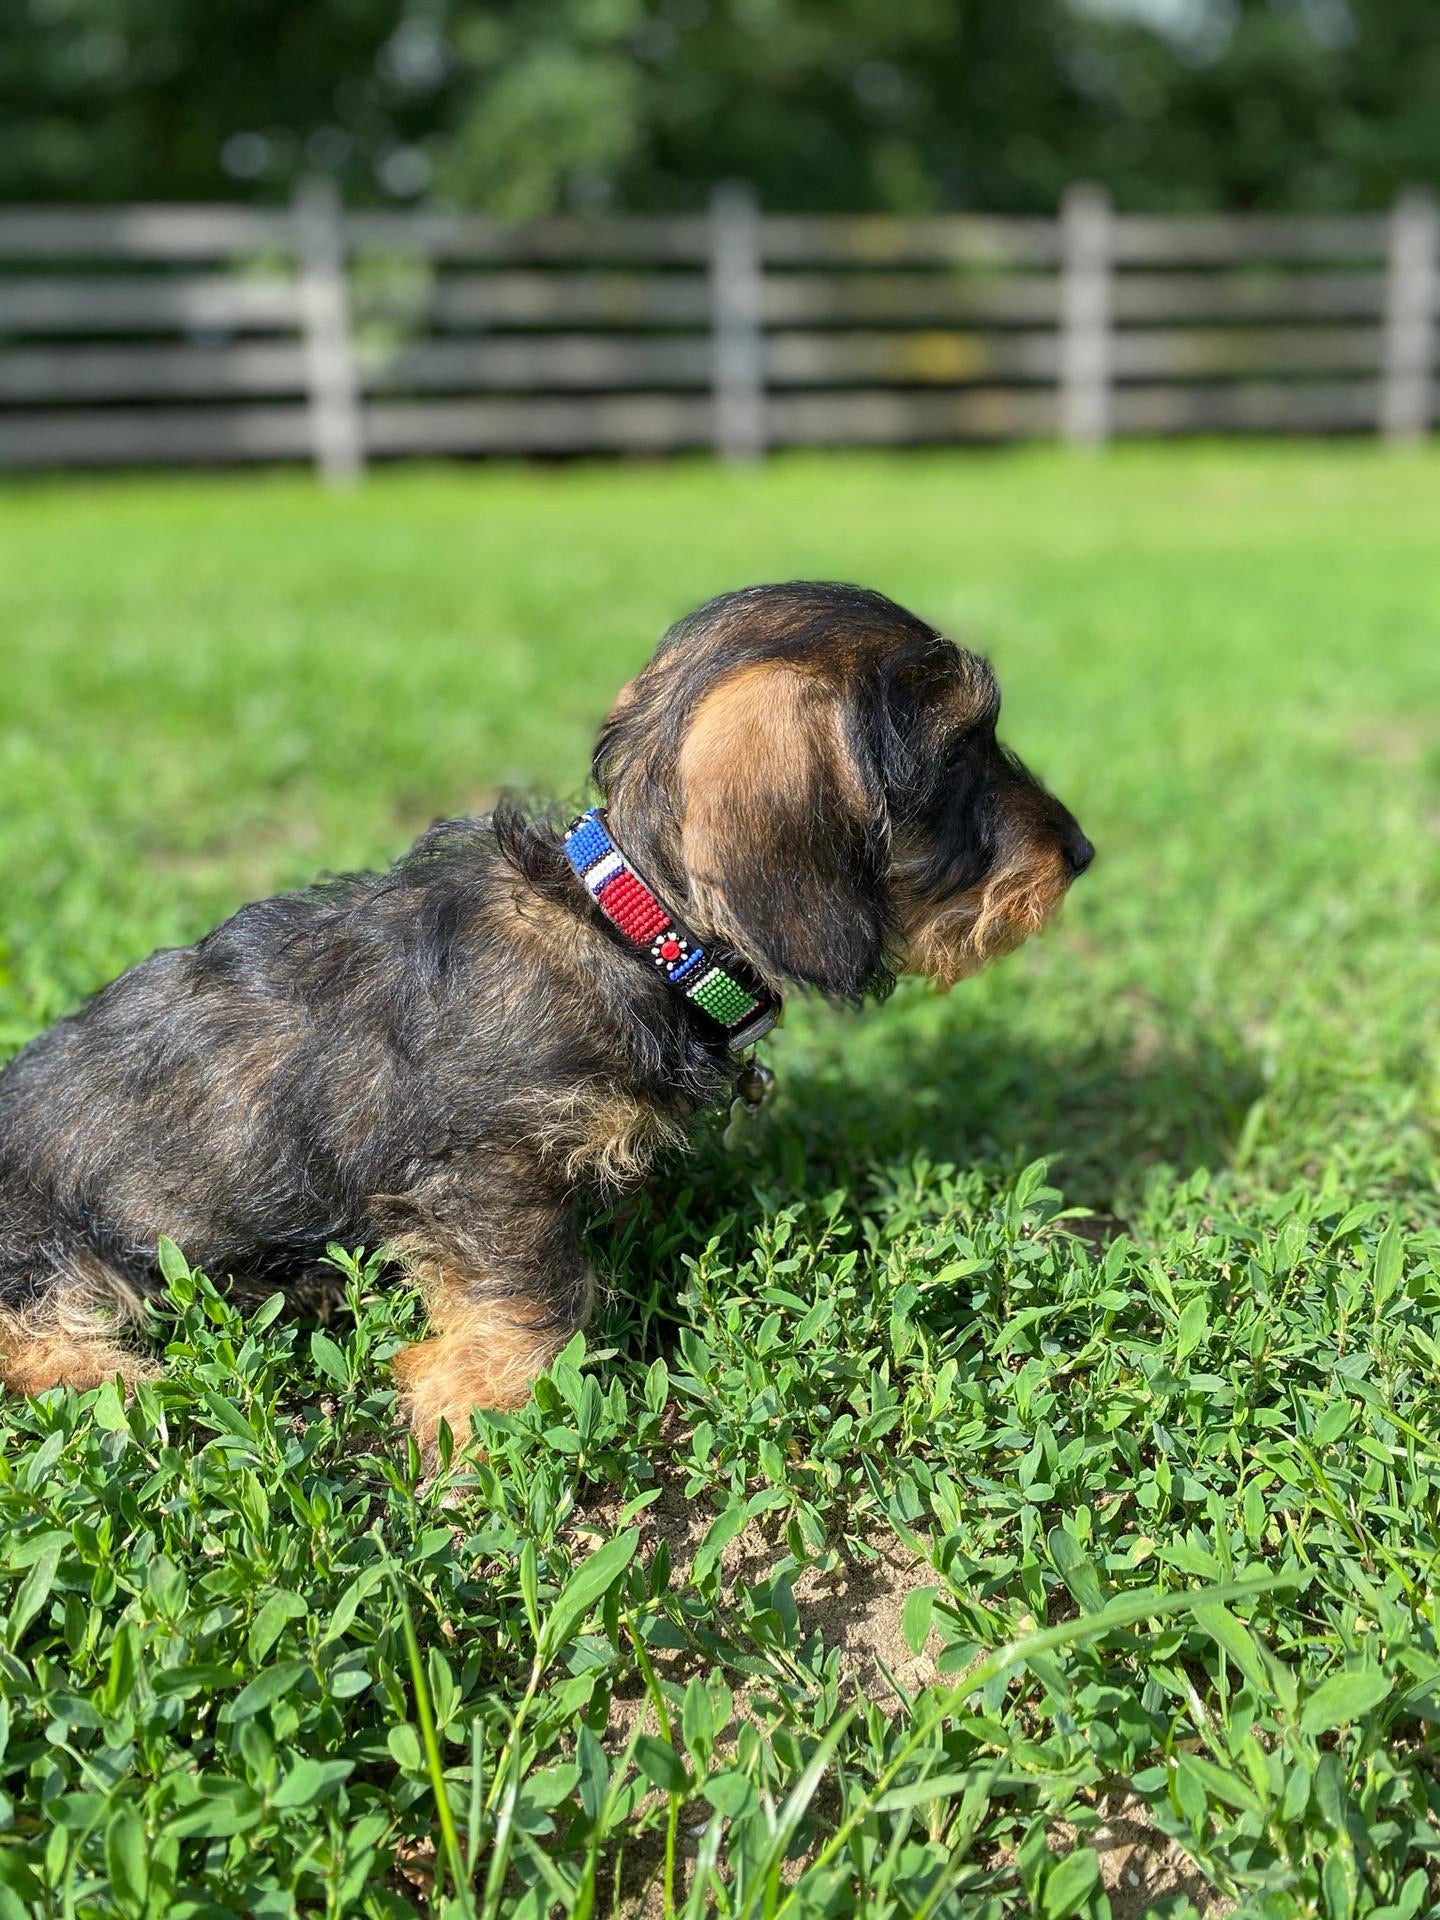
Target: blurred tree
526, 105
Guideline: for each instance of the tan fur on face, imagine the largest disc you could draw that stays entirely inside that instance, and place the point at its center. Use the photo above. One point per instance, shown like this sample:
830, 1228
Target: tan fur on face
70, 1337
485, 1352
745, 733
753, 749
952, 940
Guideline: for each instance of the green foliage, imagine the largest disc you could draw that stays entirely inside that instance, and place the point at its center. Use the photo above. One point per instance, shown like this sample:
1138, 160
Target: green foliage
1036, 1413
901, 104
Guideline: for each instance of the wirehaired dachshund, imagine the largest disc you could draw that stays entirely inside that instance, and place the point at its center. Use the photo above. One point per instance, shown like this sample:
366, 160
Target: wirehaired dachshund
453, 1059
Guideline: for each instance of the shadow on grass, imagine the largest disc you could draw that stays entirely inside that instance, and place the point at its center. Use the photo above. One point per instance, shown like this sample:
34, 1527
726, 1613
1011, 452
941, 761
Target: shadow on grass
1101, 1115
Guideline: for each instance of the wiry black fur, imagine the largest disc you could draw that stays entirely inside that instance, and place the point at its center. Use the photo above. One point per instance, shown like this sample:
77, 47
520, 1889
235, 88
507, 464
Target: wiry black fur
437, 1057
397, 1033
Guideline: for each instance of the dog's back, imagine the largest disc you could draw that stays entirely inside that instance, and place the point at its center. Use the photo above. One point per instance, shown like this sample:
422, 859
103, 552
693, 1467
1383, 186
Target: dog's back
245, 1095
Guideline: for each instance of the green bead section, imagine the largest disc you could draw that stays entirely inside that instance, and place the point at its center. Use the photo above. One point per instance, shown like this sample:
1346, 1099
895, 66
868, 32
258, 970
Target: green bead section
723, 997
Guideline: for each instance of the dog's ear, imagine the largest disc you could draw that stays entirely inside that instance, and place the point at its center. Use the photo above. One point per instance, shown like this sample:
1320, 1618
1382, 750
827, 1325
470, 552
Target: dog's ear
783, 828
608, 741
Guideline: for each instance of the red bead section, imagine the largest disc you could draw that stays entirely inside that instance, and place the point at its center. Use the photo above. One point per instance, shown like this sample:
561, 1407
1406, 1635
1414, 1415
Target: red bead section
633, 908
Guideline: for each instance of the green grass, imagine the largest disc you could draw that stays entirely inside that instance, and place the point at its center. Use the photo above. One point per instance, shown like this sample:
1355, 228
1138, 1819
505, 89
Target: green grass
1035, 1417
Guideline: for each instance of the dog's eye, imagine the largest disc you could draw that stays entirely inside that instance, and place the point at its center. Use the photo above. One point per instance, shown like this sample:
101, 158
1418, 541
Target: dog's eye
962, 754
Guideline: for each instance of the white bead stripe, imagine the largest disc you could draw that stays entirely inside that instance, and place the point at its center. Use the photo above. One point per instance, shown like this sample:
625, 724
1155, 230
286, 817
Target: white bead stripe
604, 869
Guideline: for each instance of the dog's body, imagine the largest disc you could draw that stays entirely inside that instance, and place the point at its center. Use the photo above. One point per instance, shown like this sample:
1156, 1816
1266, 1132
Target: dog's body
447, 1060
440, 1060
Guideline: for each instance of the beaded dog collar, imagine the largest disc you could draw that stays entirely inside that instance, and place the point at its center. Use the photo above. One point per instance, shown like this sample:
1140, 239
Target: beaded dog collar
745, 1012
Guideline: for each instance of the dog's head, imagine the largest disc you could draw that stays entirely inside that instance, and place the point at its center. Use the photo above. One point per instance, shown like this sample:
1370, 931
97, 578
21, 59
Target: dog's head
812, 776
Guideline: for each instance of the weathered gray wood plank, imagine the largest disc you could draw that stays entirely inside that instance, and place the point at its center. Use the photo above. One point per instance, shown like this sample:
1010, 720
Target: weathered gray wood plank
879, 240
147, 303
1274, 293
65, 375
912, 357
1237, 237
1263, 407
545, 424
1243, 352
139, 232
558, 299
449, 236
909, 299
884, 419
145, 436
554, 360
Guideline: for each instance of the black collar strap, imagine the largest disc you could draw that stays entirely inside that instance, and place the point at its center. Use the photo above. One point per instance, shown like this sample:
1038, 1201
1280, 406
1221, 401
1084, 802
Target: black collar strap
729, 996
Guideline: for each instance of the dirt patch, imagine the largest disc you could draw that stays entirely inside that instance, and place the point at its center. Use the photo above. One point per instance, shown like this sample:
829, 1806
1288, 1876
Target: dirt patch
858, 1607
1140, 1865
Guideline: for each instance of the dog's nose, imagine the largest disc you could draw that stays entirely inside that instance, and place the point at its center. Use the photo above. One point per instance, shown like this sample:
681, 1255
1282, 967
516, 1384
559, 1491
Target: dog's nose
1078, 852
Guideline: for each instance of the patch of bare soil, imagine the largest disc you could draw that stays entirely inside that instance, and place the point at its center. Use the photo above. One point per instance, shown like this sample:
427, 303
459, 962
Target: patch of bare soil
1140, 1865
859, 1608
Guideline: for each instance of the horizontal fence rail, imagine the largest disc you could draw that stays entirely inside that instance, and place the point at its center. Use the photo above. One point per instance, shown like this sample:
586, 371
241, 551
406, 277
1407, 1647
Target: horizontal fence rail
210, 334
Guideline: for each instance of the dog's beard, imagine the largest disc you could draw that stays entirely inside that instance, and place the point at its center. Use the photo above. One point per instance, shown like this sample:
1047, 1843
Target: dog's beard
949, 940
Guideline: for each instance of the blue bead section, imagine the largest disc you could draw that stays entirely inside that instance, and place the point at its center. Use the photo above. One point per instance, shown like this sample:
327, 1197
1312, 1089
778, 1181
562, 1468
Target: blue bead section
697, 959
587, 842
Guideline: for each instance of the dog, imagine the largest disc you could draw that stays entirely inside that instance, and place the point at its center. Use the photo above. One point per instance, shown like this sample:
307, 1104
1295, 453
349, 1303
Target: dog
451, 1060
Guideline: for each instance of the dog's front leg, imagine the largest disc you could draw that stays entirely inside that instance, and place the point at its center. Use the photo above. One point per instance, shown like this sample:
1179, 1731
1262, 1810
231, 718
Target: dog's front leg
502, 1304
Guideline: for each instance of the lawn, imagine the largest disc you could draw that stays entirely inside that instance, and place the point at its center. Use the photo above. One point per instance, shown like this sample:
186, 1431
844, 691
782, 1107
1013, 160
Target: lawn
1007, 1479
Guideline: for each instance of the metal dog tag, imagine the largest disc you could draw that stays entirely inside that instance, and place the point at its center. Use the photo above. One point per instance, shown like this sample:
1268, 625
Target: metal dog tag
753, 1086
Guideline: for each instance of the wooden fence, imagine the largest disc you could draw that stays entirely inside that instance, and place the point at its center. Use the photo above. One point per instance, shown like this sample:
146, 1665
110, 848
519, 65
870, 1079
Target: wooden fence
211, 334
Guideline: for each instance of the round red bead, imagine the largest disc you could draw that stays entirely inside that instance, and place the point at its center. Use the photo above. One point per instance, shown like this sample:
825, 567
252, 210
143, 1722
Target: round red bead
669, 949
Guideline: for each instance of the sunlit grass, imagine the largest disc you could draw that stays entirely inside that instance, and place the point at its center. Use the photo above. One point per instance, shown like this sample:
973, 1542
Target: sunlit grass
947, 1502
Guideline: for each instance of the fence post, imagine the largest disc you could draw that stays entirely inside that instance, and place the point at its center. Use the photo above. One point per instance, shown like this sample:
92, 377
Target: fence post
737, 323
1412, 297
1085, 245
336, 430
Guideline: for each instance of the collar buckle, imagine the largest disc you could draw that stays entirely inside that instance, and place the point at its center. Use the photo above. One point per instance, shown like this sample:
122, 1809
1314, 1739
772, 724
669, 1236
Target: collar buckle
755, 1028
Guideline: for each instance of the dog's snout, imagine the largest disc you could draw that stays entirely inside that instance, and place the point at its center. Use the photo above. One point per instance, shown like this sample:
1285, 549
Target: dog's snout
1078, 851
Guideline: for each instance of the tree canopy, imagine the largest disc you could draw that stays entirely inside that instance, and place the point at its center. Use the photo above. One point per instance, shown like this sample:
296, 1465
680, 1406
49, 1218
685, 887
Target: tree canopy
526, 106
